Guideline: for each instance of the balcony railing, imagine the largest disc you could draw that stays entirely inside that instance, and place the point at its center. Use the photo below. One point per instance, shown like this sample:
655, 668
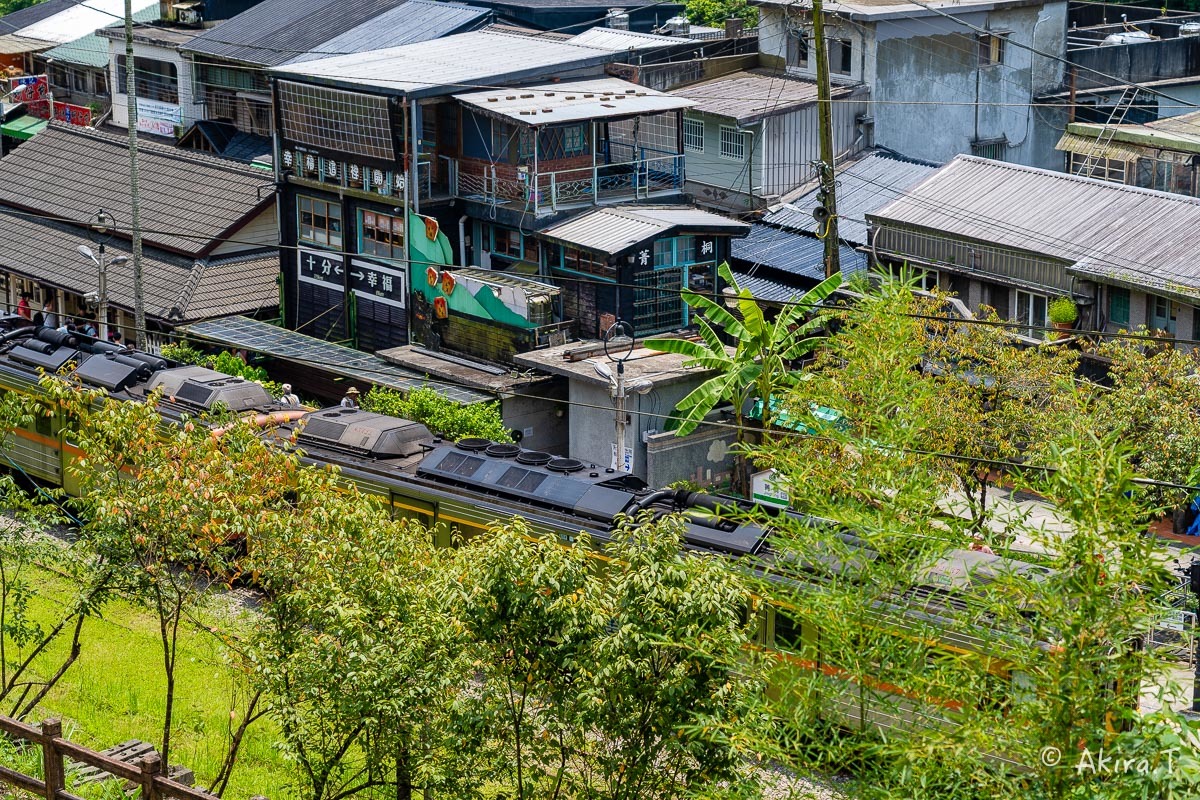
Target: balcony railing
545, 192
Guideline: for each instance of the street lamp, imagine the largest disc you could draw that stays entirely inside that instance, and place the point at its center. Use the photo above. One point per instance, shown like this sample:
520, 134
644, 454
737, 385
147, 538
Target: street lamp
101, 231
615, 337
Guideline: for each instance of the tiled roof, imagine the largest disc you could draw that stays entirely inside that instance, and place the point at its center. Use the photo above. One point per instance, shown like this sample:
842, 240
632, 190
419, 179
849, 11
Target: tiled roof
188, 200
174, 287
752, 95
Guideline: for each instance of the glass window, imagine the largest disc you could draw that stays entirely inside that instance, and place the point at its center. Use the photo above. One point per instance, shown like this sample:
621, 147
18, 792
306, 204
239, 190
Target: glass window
320, 221
381, 234
991, 48
1031, 312
685, 249
841, 56
664, 253
693, 135
733, 143
153, 79
657, 300
1118, 305
1162, 315
797, 54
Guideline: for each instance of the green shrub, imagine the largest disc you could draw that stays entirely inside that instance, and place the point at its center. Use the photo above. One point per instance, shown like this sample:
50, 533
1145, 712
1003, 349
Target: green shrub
221, 362
1062, 310
442, 416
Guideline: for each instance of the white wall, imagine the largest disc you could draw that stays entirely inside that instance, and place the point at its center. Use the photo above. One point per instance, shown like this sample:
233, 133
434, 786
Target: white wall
189, 110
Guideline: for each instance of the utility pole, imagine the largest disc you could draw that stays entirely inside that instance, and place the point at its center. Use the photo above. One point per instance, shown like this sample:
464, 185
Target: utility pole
825, 134
139, 303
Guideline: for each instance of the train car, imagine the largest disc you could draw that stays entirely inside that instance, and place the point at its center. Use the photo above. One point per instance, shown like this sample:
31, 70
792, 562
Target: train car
461, 488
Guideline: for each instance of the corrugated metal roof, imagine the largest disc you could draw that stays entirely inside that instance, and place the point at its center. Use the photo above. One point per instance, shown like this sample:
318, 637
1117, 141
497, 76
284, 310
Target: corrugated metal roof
262, 337
618, 40
188, 199
864, 186
616, 229
276, 31
11, 44
795, 253
460, 61
92, 50
546, 104
1141, 236
1186, 124
753, 95
79, 19
414, 21
23, 18
766, 289
1089, 145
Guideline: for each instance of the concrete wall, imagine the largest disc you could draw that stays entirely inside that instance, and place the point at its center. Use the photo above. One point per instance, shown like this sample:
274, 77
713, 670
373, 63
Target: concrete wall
909, 62
709, 169
537, 418
702, 457
191, 107
1137, 63
593, 421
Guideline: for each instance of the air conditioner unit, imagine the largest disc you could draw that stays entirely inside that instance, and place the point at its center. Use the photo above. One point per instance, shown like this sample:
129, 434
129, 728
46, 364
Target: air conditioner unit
188, 16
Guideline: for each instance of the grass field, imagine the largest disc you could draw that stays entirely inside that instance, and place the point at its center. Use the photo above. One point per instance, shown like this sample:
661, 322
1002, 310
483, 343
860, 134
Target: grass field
114, 692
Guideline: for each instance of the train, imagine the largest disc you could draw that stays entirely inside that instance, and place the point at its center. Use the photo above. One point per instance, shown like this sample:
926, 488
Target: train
462, 488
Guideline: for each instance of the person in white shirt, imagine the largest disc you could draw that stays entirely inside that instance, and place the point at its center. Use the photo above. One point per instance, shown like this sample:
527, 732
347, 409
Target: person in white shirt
288, 398
351, 398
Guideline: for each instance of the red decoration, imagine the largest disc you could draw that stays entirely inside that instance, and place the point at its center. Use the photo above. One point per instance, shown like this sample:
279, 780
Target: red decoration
448, 283
440, 309
432, 276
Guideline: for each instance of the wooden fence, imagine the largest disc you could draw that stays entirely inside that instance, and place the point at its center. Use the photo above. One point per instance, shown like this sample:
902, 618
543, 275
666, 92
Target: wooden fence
52, 786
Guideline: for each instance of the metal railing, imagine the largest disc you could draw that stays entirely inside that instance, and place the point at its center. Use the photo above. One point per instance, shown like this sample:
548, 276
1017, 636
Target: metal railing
544, 192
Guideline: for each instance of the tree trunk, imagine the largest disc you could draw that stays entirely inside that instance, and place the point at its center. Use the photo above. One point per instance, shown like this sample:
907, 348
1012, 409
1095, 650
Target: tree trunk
404, 787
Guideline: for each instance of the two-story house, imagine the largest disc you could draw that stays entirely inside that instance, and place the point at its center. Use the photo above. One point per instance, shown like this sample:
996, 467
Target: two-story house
401, 162
944, 77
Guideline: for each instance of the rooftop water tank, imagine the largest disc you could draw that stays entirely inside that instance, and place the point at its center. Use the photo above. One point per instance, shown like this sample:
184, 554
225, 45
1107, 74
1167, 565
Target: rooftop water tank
617, 19
678, 26
1127, 37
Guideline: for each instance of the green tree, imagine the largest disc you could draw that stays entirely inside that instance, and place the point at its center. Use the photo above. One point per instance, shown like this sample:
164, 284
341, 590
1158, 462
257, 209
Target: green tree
440, 414
353, 648
715, 12
763, 354
616, 684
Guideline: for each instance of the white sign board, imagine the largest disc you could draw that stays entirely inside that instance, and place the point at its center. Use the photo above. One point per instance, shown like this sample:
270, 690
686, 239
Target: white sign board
767, 491
626, 464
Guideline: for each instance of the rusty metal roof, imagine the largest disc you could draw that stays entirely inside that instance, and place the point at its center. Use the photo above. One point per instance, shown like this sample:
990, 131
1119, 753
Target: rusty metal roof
1126, 234
752, 95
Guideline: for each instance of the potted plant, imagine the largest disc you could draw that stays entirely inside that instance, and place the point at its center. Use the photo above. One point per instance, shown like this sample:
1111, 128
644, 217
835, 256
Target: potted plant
1062, 313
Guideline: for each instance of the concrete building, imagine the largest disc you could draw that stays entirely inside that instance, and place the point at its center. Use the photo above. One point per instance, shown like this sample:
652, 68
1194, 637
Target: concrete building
166, 99
1163, 154
1013, 238
968, 65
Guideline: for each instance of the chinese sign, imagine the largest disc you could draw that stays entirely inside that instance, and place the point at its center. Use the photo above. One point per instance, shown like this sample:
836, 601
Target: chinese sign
72, 114
322, 268
767, 490
156, 117
381, 284
29, 89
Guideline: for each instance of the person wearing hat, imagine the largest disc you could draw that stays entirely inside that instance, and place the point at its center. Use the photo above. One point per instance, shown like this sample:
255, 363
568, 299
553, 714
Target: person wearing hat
351, 398
288, 398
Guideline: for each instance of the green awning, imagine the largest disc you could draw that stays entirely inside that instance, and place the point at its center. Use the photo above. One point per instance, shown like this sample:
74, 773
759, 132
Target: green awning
822, 417
23, 128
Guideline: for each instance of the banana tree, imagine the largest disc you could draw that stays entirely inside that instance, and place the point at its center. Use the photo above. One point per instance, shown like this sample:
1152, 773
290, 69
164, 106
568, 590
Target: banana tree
760, 362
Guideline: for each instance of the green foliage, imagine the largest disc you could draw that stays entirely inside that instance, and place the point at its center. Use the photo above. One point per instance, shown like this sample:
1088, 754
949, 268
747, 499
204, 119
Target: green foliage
714, 12
762, 357
441, 415
9, 6
613, 685
1062, 310
997, 668
223, 361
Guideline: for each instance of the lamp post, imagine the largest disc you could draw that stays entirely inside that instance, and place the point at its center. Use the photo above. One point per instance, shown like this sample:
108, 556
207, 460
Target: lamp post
101, 231
615, 350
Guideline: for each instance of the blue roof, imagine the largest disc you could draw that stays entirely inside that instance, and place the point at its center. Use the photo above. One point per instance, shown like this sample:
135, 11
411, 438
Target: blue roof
795, 253
276, 32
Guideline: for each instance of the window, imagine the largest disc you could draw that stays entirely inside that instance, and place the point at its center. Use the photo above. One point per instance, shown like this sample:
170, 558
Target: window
503, 241
558, 141
924, 279
102, 82
664, 253
1031, 312
693, 135
841, 56
79, 81
657, 304
797, 54
995, 149
153, 79
1162, 315
1118, 305
583, 261
991, 48
733, 143
58, 76
320, 222
1105, 169
380, 235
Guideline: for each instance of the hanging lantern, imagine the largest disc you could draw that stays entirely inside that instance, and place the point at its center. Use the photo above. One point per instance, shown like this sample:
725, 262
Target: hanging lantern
440, 309
448, 283
432, 276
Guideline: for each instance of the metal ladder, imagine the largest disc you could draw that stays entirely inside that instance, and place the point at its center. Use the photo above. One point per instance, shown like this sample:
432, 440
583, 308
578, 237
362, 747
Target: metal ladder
1095, 157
